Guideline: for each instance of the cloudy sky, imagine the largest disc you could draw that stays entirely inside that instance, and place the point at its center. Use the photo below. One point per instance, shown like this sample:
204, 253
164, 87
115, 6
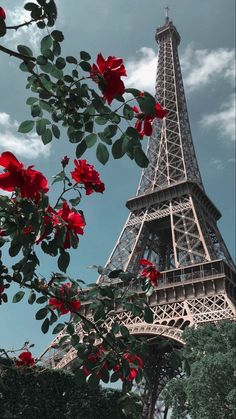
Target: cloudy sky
127, 29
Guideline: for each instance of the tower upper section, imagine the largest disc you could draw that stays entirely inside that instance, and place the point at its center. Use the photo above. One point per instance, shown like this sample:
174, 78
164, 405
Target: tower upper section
170, 150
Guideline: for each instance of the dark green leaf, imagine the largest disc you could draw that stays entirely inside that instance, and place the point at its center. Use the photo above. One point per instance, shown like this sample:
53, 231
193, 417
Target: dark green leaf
25, 50
115, 273
47, 136
41, 126
60, 63
148, 315
134, 92
31, 100
84, 56
26, 126
128, 112
18, 296
90, 140
45, 326
102, 153
147, 104
117, 149
14, 249
57, 36
32, 297
71, 60
140, 157
63, 261
80, 149
41, 300
133, 133
56, 131
41, 313
46, 43
59, 327
124, 331
85, 65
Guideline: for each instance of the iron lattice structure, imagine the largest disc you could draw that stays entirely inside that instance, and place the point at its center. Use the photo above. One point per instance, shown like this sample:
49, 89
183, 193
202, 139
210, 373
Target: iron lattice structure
172, 223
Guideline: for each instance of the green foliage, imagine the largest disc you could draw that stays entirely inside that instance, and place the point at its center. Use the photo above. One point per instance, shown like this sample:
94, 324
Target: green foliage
207, 390
39, 393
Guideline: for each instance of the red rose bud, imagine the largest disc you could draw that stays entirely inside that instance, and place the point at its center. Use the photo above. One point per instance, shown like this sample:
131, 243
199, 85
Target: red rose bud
2, 13
65, 161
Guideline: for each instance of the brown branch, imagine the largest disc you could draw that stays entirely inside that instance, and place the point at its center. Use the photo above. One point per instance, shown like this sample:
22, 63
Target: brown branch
16, 54
23, 24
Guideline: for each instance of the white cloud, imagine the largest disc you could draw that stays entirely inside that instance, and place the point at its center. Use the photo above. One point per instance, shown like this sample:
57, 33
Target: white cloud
28, 35
29, 146
141, 70
217, 164
202, 66
222, 121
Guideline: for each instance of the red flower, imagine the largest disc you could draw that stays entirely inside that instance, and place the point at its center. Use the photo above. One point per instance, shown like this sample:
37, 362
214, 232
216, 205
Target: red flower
150, 272
30, 182
144, 122
84, 173
2, 13
107, 74
71, 220
135, 363
1, 290
25, 360
65, 292
94, 358
65, 161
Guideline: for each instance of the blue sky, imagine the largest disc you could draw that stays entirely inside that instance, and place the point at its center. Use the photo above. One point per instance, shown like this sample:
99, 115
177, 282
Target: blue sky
127, 29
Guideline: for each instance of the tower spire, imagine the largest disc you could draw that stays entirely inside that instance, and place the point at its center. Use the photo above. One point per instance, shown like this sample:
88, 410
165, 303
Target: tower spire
167, 9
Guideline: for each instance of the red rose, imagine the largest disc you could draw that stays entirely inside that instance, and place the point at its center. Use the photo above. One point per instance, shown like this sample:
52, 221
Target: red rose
107, 73
65, 292
30, 182
150, 271
70, 219
85, 174
144, 122
135, 363
2, 13
25, 359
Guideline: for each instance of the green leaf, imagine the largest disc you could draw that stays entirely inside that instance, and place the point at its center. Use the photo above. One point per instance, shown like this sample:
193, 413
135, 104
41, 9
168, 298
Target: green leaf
47, 136
32, 297
46, 43
148, 315
90, 140
60, 63
115, 273
26, 126
128, 112
134, 92
31, 100
41, 300
147, 104
18, 296
75, 201
45, 326
56, 73
41, 60
57, 36
115, 376
124, 331
71, 60
85, 56
41, 313
70, 329
80, 149
93, 380
56, 131
41, 126
117, 149
14, 249
36, 110
59, 327
133, 133
85, 65
100, 120
102, 153
140, 157
63, 261
25, 50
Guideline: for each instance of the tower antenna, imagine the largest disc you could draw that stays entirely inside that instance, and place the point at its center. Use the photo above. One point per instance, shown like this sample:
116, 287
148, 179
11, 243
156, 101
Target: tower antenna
167, 9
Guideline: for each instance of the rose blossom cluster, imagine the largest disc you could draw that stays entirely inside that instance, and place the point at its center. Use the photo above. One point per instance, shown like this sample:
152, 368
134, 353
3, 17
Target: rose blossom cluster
149, 272
31, 184
25, 359
71, 302
134, 361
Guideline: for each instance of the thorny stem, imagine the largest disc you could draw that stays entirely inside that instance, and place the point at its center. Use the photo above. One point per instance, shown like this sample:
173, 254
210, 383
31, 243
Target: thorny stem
13, 53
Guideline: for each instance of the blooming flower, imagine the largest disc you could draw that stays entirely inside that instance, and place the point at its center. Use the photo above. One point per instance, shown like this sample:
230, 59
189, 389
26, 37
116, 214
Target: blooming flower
150, 271
2, 13
29, 181
135, 363
64, 292
84, 173
25, 359
94, 358
144, 122
70, 219
107, 73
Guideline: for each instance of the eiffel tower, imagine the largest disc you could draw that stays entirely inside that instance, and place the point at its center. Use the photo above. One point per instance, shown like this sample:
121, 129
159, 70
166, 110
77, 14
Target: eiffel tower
172, 223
